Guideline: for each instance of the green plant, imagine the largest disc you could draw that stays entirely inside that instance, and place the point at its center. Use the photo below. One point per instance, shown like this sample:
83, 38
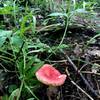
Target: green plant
21, 43
25, 65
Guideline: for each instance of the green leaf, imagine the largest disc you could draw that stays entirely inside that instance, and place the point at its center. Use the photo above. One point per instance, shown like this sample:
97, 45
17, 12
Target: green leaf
3, 36
31, 99
20, 65
81, 11
2, 40
58, 14
25, 19
63, 46
5, 33
12, 88
36, 67
6, 10
14, 94
30, 73
28, 88
5, 97
17, 42
34, 24
30, 62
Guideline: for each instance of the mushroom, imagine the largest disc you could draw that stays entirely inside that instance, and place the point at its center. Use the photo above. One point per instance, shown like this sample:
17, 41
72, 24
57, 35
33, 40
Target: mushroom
50, 76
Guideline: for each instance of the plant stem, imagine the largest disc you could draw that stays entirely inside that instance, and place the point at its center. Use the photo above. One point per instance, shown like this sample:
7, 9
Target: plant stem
21, 86
67, 23
27, 87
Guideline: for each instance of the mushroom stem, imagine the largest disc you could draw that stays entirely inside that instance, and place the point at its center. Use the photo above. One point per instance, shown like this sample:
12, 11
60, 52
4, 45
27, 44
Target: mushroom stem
51, 91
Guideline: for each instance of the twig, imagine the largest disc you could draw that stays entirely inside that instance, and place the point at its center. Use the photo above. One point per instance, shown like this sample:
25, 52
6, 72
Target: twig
81, 90
89, 72
84, 80
83, 66
78, 86
58, 61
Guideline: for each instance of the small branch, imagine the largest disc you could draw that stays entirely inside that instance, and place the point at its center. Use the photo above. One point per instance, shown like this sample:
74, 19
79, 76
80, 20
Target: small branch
89, 72
81, 90
58, 61
78, 86
83, 66
83, 78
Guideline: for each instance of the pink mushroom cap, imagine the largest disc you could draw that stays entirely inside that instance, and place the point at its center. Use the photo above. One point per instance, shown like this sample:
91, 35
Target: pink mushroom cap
48, 75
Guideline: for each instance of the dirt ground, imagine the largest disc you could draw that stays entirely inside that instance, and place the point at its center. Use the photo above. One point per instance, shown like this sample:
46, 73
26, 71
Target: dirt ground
80, 63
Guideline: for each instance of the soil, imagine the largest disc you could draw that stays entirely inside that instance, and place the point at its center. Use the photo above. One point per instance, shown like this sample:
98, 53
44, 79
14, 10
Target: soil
86, 57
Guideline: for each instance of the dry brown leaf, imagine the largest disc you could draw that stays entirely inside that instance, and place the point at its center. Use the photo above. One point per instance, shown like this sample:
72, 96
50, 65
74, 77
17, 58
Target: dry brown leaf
94, 53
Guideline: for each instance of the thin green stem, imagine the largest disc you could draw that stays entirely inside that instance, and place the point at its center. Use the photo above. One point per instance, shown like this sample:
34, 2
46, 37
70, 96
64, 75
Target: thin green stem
27, 87
20, 89
6, 58
92, 39
67, 23
24, 62
14, 6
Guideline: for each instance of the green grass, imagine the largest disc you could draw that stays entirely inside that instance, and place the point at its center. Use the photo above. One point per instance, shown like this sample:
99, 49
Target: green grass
20, 37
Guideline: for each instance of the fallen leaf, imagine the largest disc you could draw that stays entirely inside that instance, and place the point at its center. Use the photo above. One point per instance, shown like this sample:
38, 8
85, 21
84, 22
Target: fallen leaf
94, 53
